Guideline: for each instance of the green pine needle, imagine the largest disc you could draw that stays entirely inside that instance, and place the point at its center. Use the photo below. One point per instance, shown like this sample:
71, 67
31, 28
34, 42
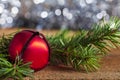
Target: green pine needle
4, 44
17, 70
84, 49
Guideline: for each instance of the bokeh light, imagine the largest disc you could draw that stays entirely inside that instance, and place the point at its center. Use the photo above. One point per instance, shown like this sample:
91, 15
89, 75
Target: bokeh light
38, 1
44, 14
14, 10
56, 14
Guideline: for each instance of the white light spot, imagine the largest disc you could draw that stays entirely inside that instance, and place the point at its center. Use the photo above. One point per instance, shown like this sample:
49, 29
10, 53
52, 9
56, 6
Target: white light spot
2, 5
16, 3
9, 20
44, 14
38, 1
1, 9
65, 11
89, 1
3, 0
104, 13
61, 2
99, 15
69, 16
58, 12
4, 15
82, 3
14, 10
2, 21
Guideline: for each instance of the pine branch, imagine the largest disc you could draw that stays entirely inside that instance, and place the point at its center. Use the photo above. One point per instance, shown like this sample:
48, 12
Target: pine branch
103, 36
67, 51
4, 44
84, 58
73, 50
17, 70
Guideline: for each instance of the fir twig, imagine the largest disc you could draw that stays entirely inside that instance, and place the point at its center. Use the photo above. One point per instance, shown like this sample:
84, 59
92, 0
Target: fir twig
4, 44
16, 70
84, 49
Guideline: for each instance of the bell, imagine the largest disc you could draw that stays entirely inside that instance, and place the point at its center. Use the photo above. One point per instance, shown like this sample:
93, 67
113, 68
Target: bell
32, 47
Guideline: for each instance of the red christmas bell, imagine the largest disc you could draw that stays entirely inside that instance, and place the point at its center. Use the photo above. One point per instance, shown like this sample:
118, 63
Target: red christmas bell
31, 47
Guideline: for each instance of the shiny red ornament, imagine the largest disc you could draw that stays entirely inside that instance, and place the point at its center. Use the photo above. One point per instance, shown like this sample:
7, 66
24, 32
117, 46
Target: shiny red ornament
32, 47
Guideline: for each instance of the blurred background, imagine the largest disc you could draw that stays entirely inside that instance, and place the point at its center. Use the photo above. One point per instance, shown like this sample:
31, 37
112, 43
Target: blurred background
56, 14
